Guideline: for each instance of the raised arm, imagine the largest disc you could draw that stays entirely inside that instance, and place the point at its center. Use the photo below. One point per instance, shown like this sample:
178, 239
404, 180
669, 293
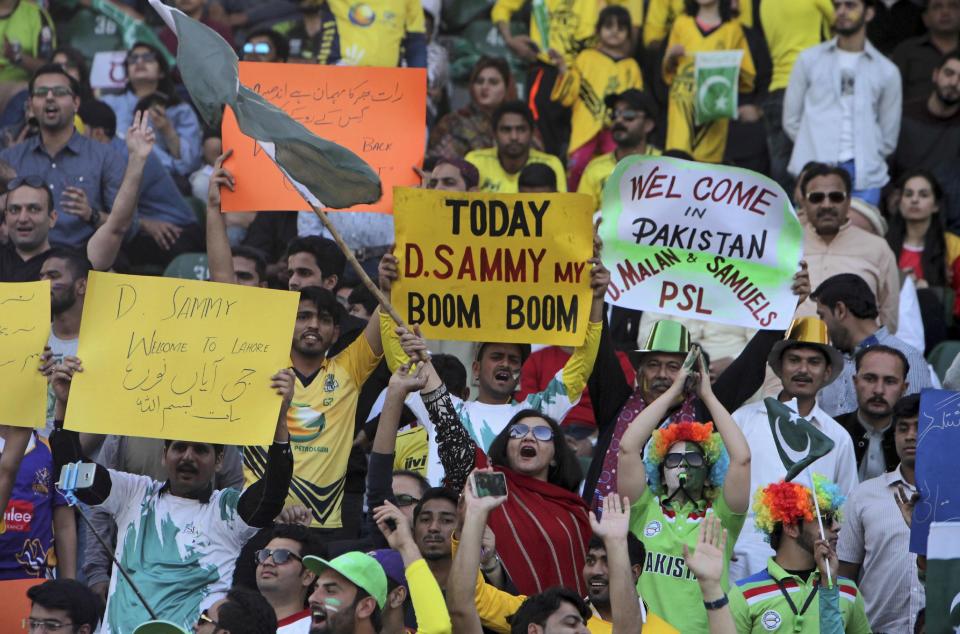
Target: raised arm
631, 474
707, 562
612, 529
16, 442
219, 253
105, 242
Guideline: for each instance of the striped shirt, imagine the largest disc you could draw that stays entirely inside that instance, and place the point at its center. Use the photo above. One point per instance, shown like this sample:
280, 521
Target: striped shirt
875, 537
759, 603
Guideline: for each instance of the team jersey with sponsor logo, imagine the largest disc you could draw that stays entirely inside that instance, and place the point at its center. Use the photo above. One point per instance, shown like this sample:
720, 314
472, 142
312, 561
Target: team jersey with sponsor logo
666, 584
26, 547
372, 31
760, 603
321, 421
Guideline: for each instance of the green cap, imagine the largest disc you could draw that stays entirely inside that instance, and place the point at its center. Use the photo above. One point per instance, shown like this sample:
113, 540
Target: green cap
159, 627
360, 569
669, 337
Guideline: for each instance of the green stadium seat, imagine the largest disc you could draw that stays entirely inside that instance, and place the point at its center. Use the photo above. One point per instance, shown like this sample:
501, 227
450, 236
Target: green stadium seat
942, 356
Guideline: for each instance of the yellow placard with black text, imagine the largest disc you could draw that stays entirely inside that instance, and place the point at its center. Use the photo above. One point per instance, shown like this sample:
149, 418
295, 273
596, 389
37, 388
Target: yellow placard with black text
180, 359
24, 330
509, 268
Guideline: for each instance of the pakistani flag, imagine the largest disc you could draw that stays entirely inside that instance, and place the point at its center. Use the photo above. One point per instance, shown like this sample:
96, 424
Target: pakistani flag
325, 173
943, 577
798, 442
132, 30
717, 76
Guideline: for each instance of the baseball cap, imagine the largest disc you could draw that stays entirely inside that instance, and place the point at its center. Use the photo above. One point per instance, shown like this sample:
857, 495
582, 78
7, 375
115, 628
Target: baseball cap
159, 627
360, 569
392, 564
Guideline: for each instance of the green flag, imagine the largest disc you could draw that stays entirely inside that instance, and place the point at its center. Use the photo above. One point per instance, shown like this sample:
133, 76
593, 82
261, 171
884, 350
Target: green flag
943, 578
325, 173
717, 76
798, 442
541, 16
132, 30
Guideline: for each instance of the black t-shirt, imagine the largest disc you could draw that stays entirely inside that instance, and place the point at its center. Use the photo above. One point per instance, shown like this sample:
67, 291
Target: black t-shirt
14, 269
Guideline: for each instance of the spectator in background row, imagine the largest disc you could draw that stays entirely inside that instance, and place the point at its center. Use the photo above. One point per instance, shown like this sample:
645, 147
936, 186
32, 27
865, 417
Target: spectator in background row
471, 127
28, 42
150, 87
853, 123
198, 10
500, 166
59, 603
379, 32
282, 578
930, 128
537, 178
438, 63
917, 57
265, 45
895, 21
246, 16
707, 25
72, 60
314, 38
659, 21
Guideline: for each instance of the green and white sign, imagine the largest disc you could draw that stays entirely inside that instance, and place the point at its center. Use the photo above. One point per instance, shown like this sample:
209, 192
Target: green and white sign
717, 75
700, 240
943, 577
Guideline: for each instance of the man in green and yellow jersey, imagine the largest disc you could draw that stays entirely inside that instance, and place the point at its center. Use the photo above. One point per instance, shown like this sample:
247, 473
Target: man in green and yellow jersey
374, 32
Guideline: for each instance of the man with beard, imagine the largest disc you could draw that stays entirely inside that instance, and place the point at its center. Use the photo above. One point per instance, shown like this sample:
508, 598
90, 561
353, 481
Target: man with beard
874, 547
843, 103
350, 595
434, 520
832, 244
880, 381
500, 166
930, 129
805, 363
918, 56
634, 116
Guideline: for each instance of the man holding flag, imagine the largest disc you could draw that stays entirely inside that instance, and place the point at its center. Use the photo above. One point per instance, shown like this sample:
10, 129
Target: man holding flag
783, 444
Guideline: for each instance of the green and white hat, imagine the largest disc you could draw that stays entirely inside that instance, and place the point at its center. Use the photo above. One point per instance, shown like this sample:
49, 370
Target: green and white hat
669, 337
360, 569
159, 627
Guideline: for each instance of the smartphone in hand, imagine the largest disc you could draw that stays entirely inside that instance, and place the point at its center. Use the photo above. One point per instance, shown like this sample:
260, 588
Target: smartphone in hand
489, 484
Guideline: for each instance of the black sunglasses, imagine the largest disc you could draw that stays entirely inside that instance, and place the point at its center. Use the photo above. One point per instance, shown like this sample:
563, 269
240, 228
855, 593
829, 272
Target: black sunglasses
818, 197
541, 433
692, 458
36, 182
280, 555
406, 500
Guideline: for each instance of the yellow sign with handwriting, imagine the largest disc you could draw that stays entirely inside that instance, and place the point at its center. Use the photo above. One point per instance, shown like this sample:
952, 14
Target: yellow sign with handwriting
180, 359
24, 330
510, 268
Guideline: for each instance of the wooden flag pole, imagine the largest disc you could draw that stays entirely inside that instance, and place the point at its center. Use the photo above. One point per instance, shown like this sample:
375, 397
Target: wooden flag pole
352, 259
823, 535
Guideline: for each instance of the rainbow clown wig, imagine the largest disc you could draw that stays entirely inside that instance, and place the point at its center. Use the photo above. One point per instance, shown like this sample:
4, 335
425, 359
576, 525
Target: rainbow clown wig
714, 453
783, 503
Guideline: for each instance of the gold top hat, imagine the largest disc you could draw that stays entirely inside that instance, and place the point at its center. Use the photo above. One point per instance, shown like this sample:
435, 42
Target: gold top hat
810, 331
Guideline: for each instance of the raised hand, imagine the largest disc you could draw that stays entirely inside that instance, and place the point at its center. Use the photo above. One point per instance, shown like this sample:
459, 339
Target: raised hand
706, 562
74, 201
801, 283
295, 514
614, 523
480, 505
394, 526
61, 377
140, 136
388, 271
405, 381
704, 387
827, 560
165, 234
283, 383
599, 278
221, 177
413, 344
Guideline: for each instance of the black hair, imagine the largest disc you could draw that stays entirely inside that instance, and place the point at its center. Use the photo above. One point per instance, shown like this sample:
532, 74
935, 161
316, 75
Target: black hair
256, 256
277, 40
422, 482
537, 175
934, 256
616, 14
376, 617
635, 548
565, 472
513, 107
81, 604
246, 611
907, 407
539, 607
451, 371
330, 259
217, 449
76, 260
324, 301
435, 493
362, 295
776, 535
821, 169
165, 83
882, 349
96, 114
850, 289
954, 54
54, 69
300, 534
727, 13
77, 59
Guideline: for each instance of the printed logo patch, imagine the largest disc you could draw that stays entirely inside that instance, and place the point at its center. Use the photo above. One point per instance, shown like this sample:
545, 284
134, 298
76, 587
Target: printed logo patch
330, 383
18, 516
771, 620
652, 529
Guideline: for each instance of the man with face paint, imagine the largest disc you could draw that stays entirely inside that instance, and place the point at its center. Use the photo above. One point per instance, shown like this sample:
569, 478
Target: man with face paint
350, 594
805, 363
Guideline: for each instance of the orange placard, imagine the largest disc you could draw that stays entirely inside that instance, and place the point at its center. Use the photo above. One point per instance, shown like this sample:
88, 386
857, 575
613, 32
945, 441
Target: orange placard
379, 113
16, 605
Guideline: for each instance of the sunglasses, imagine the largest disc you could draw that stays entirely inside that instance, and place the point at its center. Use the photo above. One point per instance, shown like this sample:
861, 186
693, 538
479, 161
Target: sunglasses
691, 459
406, 500
541, 433
260, 48
133, 58
58, 91
36, 182
818, 197
204, 619
280, 556
626, 115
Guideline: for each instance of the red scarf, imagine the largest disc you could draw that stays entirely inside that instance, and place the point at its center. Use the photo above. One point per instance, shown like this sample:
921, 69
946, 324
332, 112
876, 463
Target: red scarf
542, 533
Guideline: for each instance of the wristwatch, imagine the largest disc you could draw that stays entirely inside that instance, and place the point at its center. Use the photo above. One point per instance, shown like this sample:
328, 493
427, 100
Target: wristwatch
94, 219
716, 605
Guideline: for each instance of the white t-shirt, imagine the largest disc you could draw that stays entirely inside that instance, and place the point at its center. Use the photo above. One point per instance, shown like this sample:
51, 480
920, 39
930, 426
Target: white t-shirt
298, 623
179, 552
848, 78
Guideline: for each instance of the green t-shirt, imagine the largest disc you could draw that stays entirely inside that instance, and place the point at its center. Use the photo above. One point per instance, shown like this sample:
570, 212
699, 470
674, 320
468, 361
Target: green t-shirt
27, 25
670, 590
758, 603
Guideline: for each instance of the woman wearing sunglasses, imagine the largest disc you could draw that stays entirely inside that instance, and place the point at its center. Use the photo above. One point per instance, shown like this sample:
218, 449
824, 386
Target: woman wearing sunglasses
688, 472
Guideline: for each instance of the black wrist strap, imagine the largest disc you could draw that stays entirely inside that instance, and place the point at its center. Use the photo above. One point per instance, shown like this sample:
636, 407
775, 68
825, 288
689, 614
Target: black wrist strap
716, 605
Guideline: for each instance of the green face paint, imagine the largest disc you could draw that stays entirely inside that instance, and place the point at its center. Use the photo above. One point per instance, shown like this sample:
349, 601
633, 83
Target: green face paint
694, 479
332, 604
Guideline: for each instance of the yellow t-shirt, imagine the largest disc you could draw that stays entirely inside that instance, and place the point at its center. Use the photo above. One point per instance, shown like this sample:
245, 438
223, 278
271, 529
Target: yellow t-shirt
704, 142
321, 420
411, 450
790, 27
493, 178
371, 31
662, 13
635, 7
593, 76
597, 172
572, 23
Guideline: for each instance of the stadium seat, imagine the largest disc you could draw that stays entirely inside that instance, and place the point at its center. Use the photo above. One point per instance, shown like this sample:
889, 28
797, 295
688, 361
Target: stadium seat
942, 356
